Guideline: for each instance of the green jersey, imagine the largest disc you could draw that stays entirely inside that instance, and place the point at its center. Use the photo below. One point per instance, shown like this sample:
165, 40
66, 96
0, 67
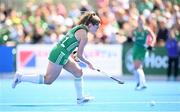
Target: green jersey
65, 47
69, 42
139, 50
140, 37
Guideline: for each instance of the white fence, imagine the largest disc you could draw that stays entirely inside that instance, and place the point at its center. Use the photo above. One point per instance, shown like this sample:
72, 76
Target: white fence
34, 58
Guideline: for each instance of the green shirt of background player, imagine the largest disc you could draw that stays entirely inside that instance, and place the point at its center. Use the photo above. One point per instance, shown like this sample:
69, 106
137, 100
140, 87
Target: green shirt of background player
59, 57
141, 34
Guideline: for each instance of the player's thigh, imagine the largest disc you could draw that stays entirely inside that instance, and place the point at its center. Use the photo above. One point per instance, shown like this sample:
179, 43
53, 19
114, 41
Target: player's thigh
53, 71
73, 67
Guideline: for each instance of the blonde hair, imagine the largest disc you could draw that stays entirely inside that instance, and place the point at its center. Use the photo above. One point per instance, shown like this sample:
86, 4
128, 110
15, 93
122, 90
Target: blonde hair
89, 17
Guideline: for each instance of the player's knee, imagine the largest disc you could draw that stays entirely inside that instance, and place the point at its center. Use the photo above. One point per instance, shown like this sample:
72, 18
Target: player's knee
78, 73
47, 80
137, 65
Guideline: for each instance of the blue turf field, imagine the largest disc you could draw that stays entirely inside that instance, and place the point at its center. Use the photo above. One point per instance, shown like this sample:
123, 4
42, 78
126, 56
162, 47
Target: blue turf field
110, 97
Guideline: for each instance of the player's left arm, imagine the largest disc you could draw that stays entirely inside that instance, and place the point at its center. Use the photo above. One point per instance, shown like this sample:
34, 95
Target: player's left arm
82, 43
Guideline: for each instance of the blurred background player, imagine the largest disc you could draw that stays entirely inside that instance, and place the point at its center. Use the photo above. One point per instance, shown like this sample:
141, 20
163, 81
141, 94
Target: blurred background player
141, 35
172, 52
59, 57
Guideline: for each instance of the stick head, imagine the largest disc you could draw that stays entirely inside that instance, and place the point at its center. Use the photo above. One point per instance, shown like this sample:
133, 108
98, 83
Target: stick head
98, 70
119, 82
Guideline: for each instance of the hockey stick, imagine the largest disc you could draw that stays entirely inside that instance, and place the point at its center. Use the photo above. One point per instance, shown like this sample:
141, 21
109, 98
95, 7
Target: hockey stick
119, 82
102, 72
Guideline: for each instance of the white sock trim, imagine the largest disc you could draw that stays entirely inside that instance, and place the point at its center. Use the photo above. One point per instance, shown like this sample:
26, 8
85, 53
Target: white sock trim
38, 79
79, 86
141, 76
